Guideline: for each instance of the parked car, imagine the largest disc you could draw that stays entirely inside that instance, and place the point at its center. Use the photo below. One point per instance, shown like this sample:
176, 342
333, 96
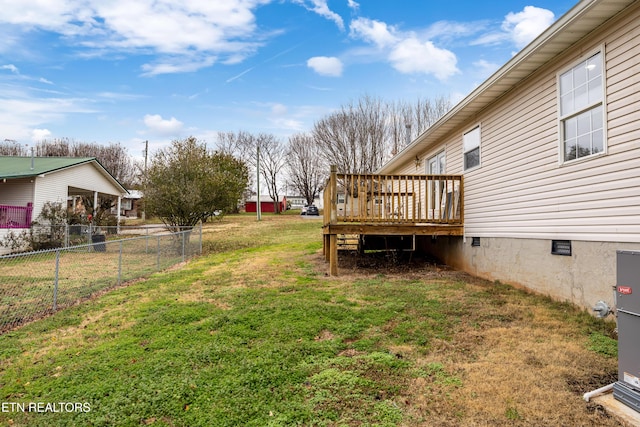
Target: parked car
312, 210
303, 211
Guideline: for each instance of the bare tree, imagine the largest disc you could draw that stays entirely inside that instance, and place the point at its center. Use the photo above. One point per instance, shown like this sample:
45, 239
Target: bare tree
56, 148
273, 156
354, 138
241, 144
408, 120
10, 147
361, 136
306, 171
399, 125
244, 145
113, 157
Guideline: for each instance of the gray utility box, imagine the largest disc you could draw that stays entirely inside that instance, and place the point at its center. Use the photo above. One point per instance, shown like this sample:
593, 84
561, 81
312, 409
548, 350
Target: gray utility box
627, 389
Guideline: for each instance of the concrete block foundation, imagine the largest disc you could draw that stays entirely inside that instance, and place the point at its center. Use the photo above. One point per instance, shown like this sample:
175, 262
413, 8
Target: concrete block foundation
582, 278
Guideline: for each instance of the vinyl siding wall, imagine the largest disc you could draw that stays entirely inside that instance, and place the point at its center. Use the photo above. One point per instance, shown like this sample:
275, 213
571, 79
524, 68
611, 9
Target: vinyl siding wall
522, 190
523, 196
54, 187
16, 192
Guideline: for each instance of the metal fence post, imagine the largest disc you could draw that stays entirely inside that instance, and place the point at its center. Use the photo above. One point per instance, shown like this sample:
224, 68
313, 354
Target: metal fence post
184, 238
55, 282
74, 259
120, 265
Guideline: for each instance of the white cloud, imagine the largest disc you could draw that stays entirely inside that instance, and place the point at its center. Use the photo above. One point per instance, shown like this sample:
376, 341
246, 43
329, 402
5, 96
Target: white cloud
451, 30
118, 96
278, 109
525, 26
353, 5
24, 109
10, 67
177, 65
491, 38
322, 8
485, 68
373, 31
40, 134
165, 127
326, 66
519, 28
288, 124
411, 56
407, 52
166, 27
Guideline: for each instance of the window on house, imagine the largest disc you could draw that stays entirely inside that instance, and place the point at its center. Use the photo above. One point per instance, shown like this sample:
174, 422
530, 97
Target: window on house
471, 148
581, 109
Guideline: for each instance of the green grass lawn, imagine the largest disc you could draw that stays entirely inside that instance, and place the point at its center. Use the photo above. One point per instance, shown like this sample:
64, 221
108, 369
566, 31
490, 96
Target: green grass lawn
254, 333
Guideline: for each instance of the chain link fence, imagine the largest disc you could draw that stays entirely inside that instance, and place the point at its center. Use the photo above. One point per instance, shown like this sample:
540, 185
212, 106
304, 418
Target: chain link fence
34, 284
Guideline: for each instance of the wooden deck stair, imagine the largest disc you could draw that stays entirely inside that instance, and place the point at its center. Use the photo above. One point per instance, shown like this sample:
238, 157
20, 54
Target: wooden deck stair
348, 242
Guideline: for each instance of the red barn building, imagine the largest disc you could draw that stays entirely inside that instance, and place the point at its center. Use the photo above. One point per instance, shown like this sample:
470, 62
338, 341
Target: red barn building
266, 204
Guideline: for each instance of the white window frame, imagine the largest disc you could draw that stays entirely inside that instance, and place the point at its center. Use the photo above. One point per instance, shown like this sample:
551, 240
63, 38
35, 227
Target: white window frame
466, 150
581, 111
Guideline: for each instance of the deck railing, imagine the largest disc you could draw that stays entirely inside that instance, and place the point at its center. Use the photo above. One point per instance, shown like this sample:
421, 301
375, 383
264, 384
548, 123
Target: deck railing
394, 199
15, 216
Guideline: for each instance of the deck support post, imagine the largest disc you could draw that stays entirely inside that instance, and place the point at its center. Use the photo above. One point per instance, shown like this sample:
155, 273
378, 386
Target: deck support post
325, 247
333, 255
333, 219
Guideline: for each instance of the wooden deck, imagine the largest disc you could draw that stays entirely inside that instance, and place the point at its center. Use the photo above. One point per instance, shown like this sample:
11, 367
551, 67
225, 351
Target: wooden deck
390, 205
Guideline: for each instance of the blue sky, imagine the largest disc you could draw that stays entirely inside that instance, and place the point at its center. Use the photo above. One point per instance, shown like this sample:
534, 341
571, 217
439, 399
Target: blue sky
127, 71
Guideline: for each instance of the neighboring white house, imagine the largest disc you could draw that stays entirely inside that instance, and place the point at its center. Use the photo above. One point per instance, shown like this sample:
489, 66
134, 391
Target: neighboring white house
130, 204
298, 202
549, 147
27, 183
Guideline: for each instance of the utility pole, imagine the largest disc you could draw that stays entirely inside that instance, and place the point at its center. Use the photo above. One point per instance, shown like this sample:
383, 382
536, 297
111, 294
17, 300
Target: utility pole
258, 207
144, 185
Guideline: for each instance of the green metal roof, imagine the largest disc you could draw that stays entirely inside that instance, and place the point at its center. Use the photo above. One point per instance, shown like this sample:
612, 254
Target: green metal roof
21, 167
13, 167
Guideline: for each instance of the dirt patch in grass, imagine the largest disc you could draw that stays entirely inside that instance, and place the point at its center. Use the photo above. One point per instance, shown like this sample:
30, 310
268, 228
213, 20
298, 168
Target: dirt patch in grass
391, 263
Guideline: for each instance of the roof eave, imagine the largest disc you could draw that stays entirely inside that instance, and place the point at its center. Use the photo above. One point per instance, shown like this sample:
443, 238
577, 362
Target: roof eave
552, 42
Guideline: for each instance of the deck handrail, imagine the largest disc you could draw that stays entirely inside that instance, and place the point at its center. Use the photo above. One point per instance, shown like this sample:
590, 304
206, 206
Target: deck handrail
394, 199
